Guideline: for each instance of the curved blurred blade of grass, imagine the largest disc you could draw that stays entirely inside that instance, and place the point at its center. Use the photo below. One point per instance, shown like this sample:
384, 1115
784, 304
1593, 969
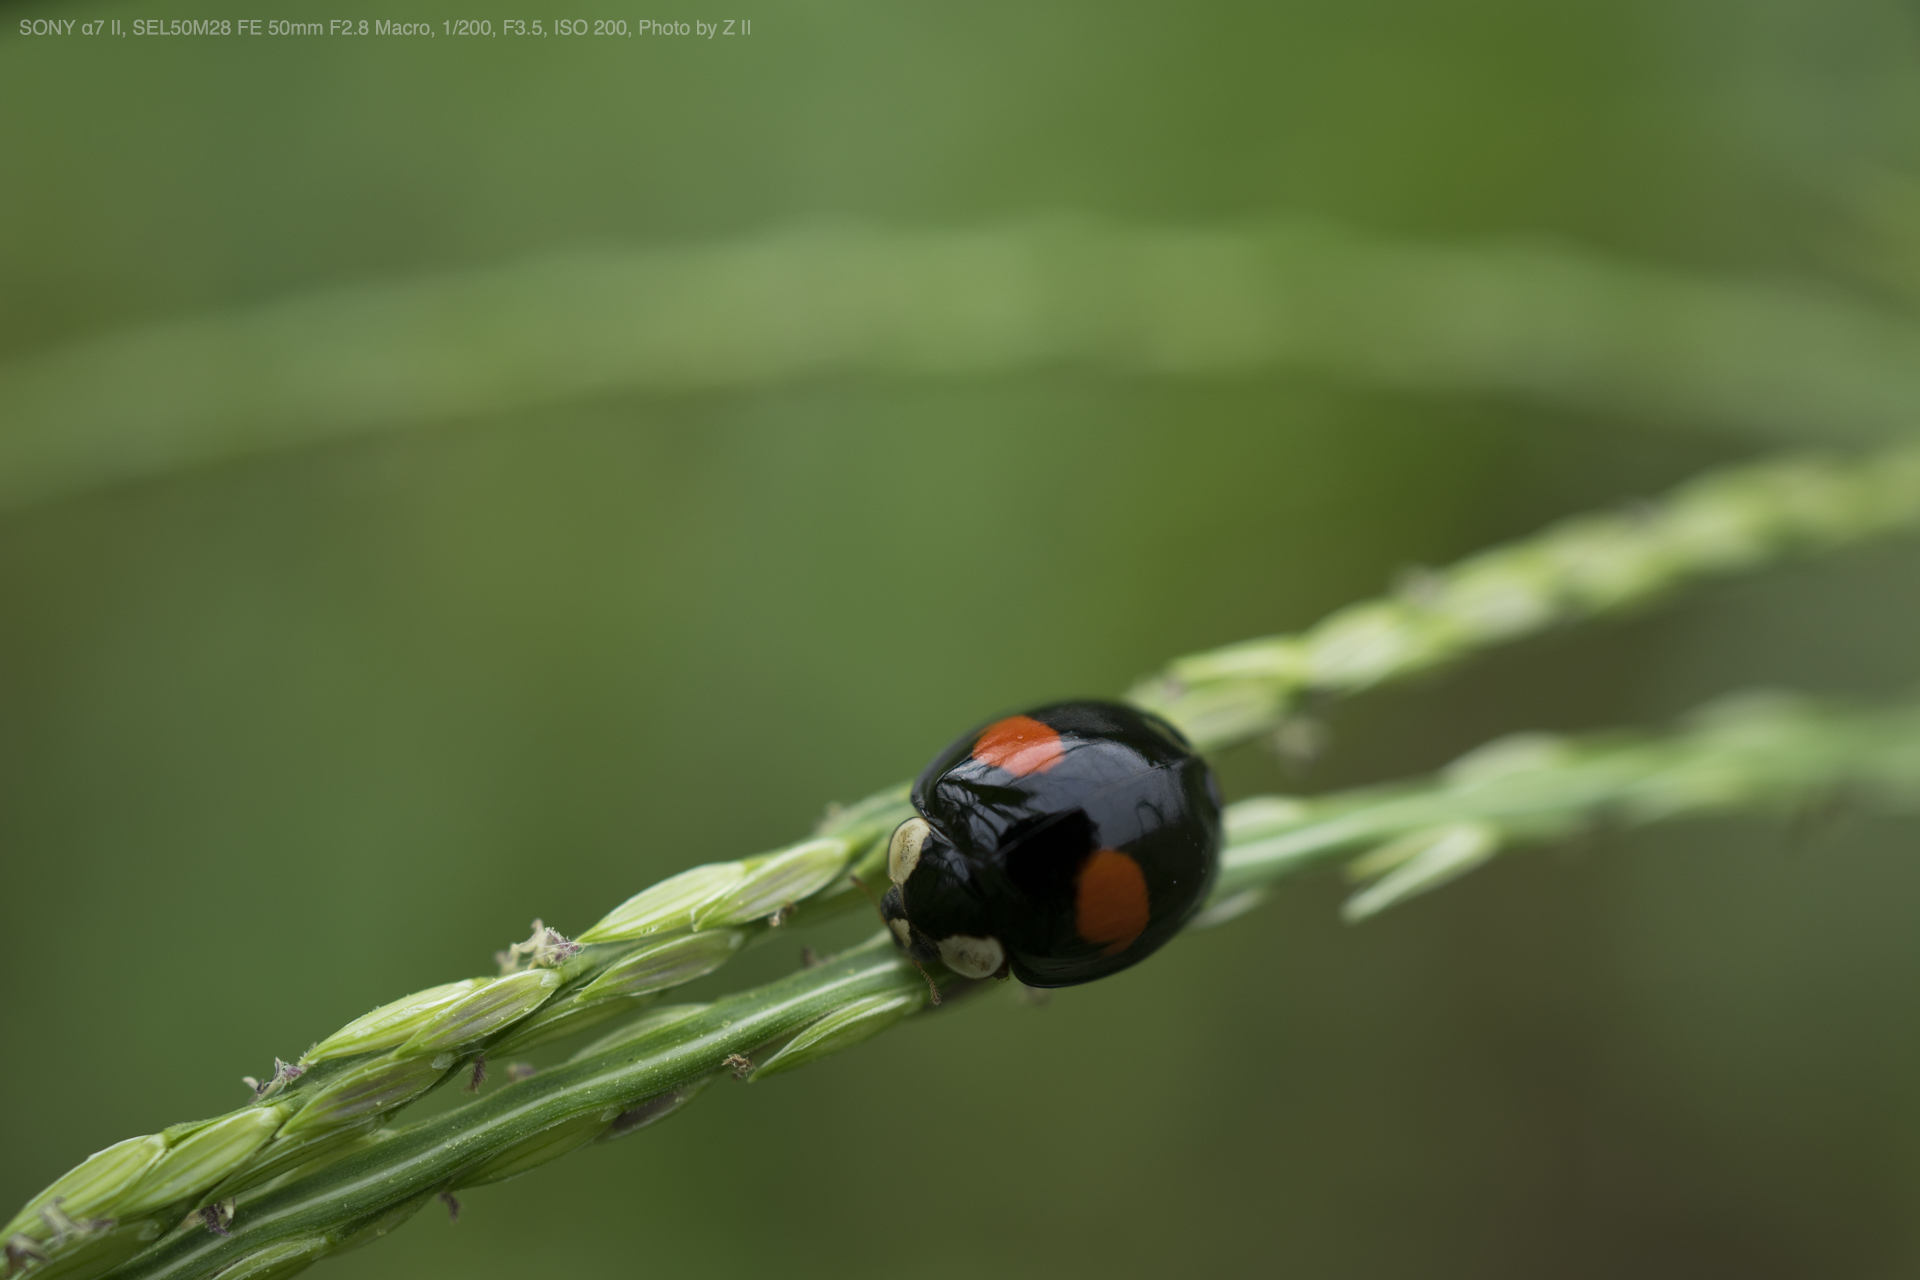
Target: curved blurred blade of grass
1554, 325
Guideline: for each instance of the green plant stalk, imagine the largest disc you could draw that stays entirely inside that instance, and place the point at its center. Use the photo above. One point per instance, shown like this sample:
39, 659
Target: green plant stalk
1755, 753
372, 1191
1727, 522
351, 1084
1767, 754
354, 1082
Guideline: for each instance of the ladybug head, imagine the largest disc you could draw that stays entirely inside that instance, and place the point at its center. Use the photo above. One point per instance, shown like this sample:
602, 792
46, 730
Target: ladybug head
934, 905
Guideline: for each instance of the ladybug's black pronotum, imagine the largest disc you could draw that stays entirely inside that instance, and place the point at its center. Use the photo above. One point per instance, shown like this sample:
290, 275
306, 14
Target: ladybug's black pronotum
1064, 844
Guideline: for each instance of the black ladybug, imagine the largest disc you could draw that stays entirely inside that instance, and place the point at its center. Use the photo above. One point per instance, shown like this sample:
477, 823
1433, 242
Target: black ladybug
1064, 844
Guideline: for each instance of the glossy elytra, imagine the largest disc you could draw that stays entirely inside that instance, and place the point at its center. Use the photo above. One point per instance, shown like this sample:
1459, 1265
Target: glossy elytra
1062, 845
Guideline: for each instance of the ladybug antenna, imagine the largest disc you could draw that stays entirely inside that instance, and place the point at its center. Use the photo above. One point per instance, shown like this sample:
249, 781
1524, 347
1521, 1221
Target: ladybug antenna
931, 984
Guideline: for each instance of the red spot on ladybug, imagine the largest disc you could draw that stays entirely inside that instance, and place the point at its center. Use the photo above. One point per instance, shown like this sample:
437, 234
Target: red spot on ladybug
1110, 907
1021, 745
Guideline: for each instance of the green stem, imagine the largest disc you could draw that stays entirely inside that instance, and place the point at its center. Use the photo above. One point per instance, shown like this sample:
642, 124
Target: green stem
373, 1190
1756, 753
1727, 522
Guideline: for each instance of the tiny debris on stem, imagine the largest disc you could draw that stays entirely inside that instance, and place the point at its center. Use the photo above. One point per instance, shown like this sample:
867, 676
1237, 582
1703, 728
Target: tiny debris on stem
546, 948
780, 917
63, 1226
518, 1071
808, 960
453, 1206
217, 1217
740, 1064
284, 1074
479, 1076
24, 1251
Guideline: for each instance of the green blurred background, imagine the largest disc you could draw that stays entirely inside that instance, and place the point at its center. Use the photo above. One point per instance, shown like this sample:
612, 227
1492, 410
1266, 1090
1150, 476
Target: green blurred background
293, 734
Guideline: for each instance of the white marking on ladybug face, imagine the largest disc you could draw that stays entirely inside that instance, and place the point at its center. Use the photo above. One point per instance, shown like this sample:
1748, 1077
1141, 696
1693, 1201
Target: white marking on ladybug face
902, 930
972, 957
903, 851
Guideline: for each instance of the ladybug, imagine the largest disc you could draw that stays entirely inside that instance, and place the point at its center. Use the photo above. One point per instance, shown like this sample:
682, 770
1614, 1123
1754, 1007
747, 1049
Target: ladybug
1063, 844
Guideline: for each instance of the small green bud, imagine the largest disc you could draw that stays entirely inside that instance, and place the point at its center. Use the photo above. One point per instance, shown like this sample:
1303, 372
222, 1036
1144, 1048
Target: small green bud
879, 813
1262, 816
841, 1029
1418, 862
390, 1024
91, 1253
1365, 643
278, 1261
549, 1144
641, 1028
669, 905
1280, 658
775, 880
670, 962
92, 1189
1726, 526
1829, 505
652, 1110
1515, 755
305, 1151
202, 1158
1268, 832
367, 1090
865, 827
1220, 910
368, 1229
1703, 783
1216, 712
1602, 563
555, 1020
491, 1007
1499, 595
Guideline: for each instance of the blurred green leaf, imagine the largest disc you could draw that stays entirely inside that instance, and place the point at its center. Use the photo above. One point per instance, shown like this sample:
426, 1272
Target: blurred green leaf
1557, 326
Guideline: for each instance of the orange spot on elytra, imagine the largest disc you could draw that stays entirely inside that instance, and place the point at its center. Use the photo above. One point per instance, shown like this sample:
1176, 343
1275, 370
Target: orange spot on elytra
1110, 905
1021, 745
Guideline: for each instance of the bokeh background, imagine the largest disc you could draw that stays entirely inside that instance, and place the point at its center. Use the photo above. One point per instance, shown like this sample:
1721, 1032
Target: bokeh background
301, 729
